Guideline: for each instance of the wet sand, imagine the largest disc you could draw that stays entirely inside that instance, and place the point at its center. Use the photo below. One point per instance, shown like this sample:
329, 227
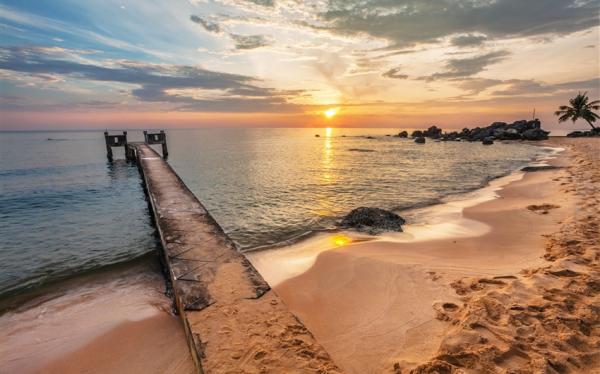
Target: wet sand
116, 322
406, 302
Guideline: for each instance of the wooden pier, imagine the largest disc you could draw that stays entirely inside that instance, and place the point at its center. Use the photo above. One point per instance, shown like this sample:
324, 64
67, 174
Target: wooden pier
233, 321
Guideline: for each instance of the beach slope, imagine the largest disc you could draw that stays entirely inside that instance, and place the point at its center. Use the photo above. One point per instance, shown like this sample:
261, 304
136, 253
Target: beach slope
519, 292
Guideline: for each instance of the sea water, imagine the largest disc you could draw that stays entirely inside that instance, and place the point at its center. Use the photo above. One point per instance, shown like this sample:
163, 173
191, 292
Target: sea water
66, 211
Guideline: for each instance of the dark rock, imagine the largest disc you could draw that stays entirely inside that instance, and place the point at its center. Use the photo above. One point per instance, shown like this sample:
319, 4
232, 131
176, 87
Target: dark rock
372, 220
402, 134
580, 134
433, 132
535, 134
416, 134
420, 140
450, 136
317, 136
370, 137
509, 134
576, 134
488, 141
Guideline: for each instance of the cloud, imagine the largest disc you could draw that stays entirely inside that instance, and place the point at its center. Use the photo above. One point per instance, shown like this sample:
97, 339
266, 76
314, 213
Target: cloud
220, 91
525, 87
468, 40
466, 67
395, 73
207, 25
409, 22
250, 41
531, 87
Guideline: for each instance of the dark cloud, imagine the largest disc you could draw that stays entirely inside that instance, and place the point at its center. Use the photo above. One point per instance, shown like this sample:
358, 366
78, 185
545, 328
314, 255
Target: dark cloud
395, 73
466, 67
226, 92
207, 25
250, 41
468, 40
408, 22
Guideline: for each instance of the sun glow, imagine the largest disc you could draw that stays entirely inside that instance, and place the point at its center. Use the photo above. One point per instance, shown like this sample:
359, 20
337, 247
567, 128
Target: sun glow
331, 112
340, 240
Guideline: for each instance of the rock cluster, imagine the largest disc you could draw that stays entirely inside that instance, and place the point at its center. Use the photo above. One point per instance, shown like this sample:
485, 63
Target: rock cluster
518, 130
372, 220
525, 130
580, 134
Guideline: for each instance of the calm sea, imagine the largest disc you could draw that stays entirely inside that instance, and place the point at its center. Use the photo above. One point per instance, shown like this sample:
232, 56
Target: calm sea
65, 210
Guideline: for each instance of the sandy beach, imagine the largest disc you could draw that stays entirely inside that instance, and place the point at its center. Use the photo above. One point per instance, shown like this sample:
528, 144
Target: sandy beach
510, 284
118, 321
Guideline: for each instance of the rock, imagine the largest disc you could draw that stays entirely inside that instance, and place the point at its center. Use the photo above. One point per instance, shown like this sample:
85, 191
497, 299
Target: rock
535, 134
433, 132
420, 140
372, 220
317, 136
480, 133
510, 134
488, 141
402, 134
416, 134
579, 134
370, 137
450, 136
498, 125
575, 134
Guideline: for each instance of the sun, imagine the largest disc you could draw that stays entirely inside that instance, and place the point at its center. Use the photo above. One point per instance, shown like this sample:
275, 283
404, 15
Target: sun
331, 112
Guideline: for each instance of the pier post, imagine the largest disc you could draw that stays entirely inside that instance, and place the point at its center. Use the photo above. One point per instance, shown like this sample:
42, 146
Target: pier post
116, 141
165, 151
109, 153
158, 138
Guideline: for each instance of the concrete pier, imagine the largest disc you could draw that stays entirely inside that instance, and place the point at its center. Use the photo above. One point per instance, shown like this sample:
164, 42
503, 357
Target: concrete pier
234, 322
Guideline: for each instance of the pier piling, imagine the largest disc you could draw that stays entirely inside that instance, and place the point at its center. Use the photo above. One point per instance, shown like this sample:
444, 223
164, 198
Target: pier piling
115, 141
158, 138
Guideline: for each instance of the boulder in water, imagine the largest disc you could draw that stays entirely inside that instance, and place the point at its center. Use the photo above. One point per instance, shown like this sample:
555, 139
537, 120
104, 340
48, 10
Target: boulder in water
372, 220
535, 134
488, 141
402, 134
420, 140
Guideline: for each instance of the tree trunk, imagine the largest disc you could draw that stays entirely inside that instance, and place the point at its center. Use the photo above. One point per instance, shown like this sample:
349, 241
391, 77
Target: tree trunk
590, 124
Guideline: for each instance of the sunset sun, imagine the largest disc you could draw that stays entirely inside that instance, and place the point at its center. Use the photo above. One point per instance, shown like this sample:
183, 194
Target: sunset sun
331, 112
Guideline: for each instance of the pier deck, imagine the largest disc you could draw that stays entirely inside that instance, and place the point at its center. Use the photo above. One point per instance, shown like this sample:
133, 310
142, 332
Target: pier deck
234, 322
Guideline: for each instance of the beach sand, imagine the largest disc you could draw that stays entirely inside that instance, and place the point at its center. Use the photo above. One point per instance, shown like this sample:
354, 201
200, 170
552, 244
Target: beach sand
119, 321
512, 286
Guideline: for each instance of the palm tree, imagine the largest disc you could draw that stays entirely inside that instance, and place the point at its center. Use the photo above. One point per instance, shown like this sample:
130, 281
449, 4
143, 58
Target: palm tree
580, 108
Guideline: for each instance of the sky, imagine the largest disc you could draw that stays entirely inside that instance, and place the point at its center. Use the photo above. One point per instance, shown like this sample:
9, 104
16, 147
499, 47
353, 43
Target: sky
71, 64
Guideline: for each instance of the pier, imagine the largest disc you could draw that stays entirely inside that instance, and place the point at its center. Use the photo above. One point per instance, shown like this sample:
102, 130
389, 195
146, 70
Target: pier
233, 321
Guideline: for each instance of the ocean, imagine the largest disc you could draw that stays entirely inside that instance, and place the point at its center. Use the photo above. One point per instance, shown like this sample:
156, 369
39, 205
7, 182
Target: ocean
67, 212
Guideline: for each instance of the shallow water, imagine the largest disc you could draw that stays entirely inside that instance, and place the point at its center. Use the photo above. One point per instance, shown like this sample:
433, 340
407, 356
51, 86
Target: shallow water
65, 210
264, 186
